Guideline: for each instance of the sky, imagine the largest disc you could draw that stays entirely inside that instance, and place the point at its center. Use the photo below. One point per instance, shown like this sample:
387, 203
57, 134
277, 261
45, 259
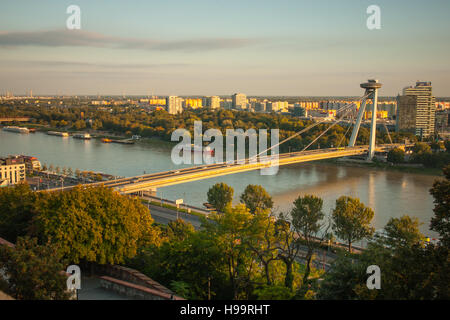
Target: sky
218, 47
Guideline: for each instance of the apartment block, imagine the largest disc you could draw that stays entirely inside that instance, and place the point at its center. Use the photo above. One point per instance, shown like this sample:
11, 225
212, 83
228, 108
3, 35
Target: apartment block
12, 170
416, 110
174, 104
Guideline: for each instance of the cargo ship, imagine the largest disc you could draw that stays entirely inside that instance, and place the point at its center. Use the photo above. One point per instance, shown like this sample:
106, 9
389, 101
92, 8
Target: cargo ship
84, 136
57, 133
16, 129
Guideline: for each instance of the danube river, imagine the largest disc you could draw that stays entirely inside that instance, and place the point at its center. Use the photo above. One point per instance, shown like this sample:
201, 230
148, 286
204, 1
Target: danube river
389, 193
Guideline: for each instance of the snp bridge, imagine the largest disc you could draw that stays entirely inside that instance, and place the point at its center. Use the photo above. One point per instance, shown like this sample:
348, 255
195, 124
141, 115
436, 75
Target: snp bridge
169, 178
151, 182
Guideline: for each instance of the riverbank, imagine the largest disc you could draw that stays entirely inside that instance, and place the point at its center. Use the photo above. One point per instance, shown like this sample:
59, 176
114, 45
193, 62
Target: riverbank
99, 134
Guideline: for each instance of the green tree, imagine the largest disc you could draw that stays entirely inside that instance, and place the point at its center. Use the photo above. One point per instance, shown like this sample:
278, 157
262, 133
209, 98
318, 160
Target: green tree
35, 272
403, 231
273, 292
341, 280
447, 145
436, 145
440, 222
79, 124
181, 288
306, 216
187, 256
256, 198
421, 153
351, 220
17, 208
421, 147
97, 124
94, 224
179, 230
288, 246
230, 230
396, 155
220, 196
262, 240
410, 269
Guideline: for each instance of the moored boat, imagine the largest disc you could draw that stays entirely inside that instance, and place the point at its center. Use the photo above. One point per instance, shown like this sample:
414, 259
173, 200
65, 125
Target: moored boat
57, 133
85, 136
16, 129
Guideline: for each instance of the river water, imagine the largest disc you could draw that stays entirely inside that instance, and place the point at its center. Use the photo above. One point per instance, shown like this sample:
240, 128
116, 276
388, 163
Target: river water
389, 193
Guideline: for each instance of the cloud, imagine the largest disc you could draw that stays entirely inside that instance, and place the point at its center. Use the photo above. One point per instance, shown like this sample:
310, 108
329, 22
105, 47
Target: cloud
80, 64
81, 38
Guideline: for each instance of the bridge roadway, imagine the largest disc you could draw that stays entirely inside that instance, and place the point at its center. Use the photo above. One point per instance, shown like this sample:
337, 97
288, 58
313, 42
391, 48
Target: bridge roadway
178, 176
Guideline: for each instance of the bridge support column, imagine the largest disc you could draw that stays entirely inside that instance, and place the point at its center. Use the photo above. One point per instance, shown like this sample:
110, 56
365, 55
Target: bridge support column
355, 131
371, 87
373, 125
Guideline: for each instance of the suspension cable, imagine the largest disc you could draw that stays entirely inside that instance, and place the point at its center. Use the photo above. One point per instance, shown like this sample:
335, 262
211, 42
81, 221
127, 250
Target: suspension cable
389, 135
345, 107
345, 134
325, 131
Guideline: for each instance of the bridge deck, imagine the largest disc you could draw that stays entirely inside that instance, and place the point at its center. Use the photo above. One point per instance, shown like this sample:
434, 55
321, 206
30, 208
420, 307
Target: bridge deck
168, 178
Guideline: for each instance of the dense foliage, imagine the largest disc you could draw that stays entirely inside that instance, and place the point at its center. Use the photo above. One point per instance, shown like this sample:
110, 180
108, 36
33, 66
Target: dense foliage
93, 224
241, 252
137, 120
35, 272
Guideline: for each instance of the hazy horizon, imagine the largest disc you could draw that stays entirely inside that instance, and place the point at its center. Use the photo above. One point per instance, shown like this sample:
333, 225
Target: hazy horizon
201, 47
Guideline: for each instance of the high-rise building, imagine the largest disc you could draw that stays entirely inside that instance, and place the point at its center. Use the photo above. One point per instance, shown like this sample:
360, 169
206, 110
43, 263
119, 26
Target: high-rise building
259, 106
416, 110
212, 102
239, 101
174, 104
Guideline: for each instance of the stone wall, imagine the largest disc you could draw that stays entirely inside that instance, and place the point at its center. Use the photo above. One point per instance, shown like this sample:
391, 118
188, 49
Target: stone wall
132, 283
135, 291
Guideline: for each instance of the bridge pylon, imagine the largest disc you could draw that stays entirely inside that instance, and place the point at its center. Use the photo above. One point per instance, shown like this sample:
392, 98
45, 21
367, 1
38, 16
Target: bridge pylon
371, 87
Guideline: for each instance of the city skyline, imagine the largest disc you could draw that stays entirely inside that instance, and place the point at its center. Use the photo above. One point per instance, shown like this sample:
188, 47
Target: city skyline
208, 48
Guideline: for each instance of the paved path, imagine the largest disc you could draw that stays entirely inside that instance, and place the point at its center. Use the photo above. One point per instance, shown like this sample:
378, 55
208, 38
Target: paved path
92, 290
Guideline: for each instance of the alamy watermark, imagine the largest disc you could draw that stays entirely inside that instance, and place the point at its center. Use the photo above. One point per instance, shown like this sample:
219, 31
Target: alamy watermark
374, 20
74, 280
374, 280
74, 20
214, 153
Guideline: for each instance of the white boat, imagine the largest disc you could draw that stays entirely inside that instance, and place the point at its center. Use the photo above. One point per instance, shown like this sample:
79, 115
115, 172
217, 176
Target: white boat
16, 129
57, 133
85, 136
